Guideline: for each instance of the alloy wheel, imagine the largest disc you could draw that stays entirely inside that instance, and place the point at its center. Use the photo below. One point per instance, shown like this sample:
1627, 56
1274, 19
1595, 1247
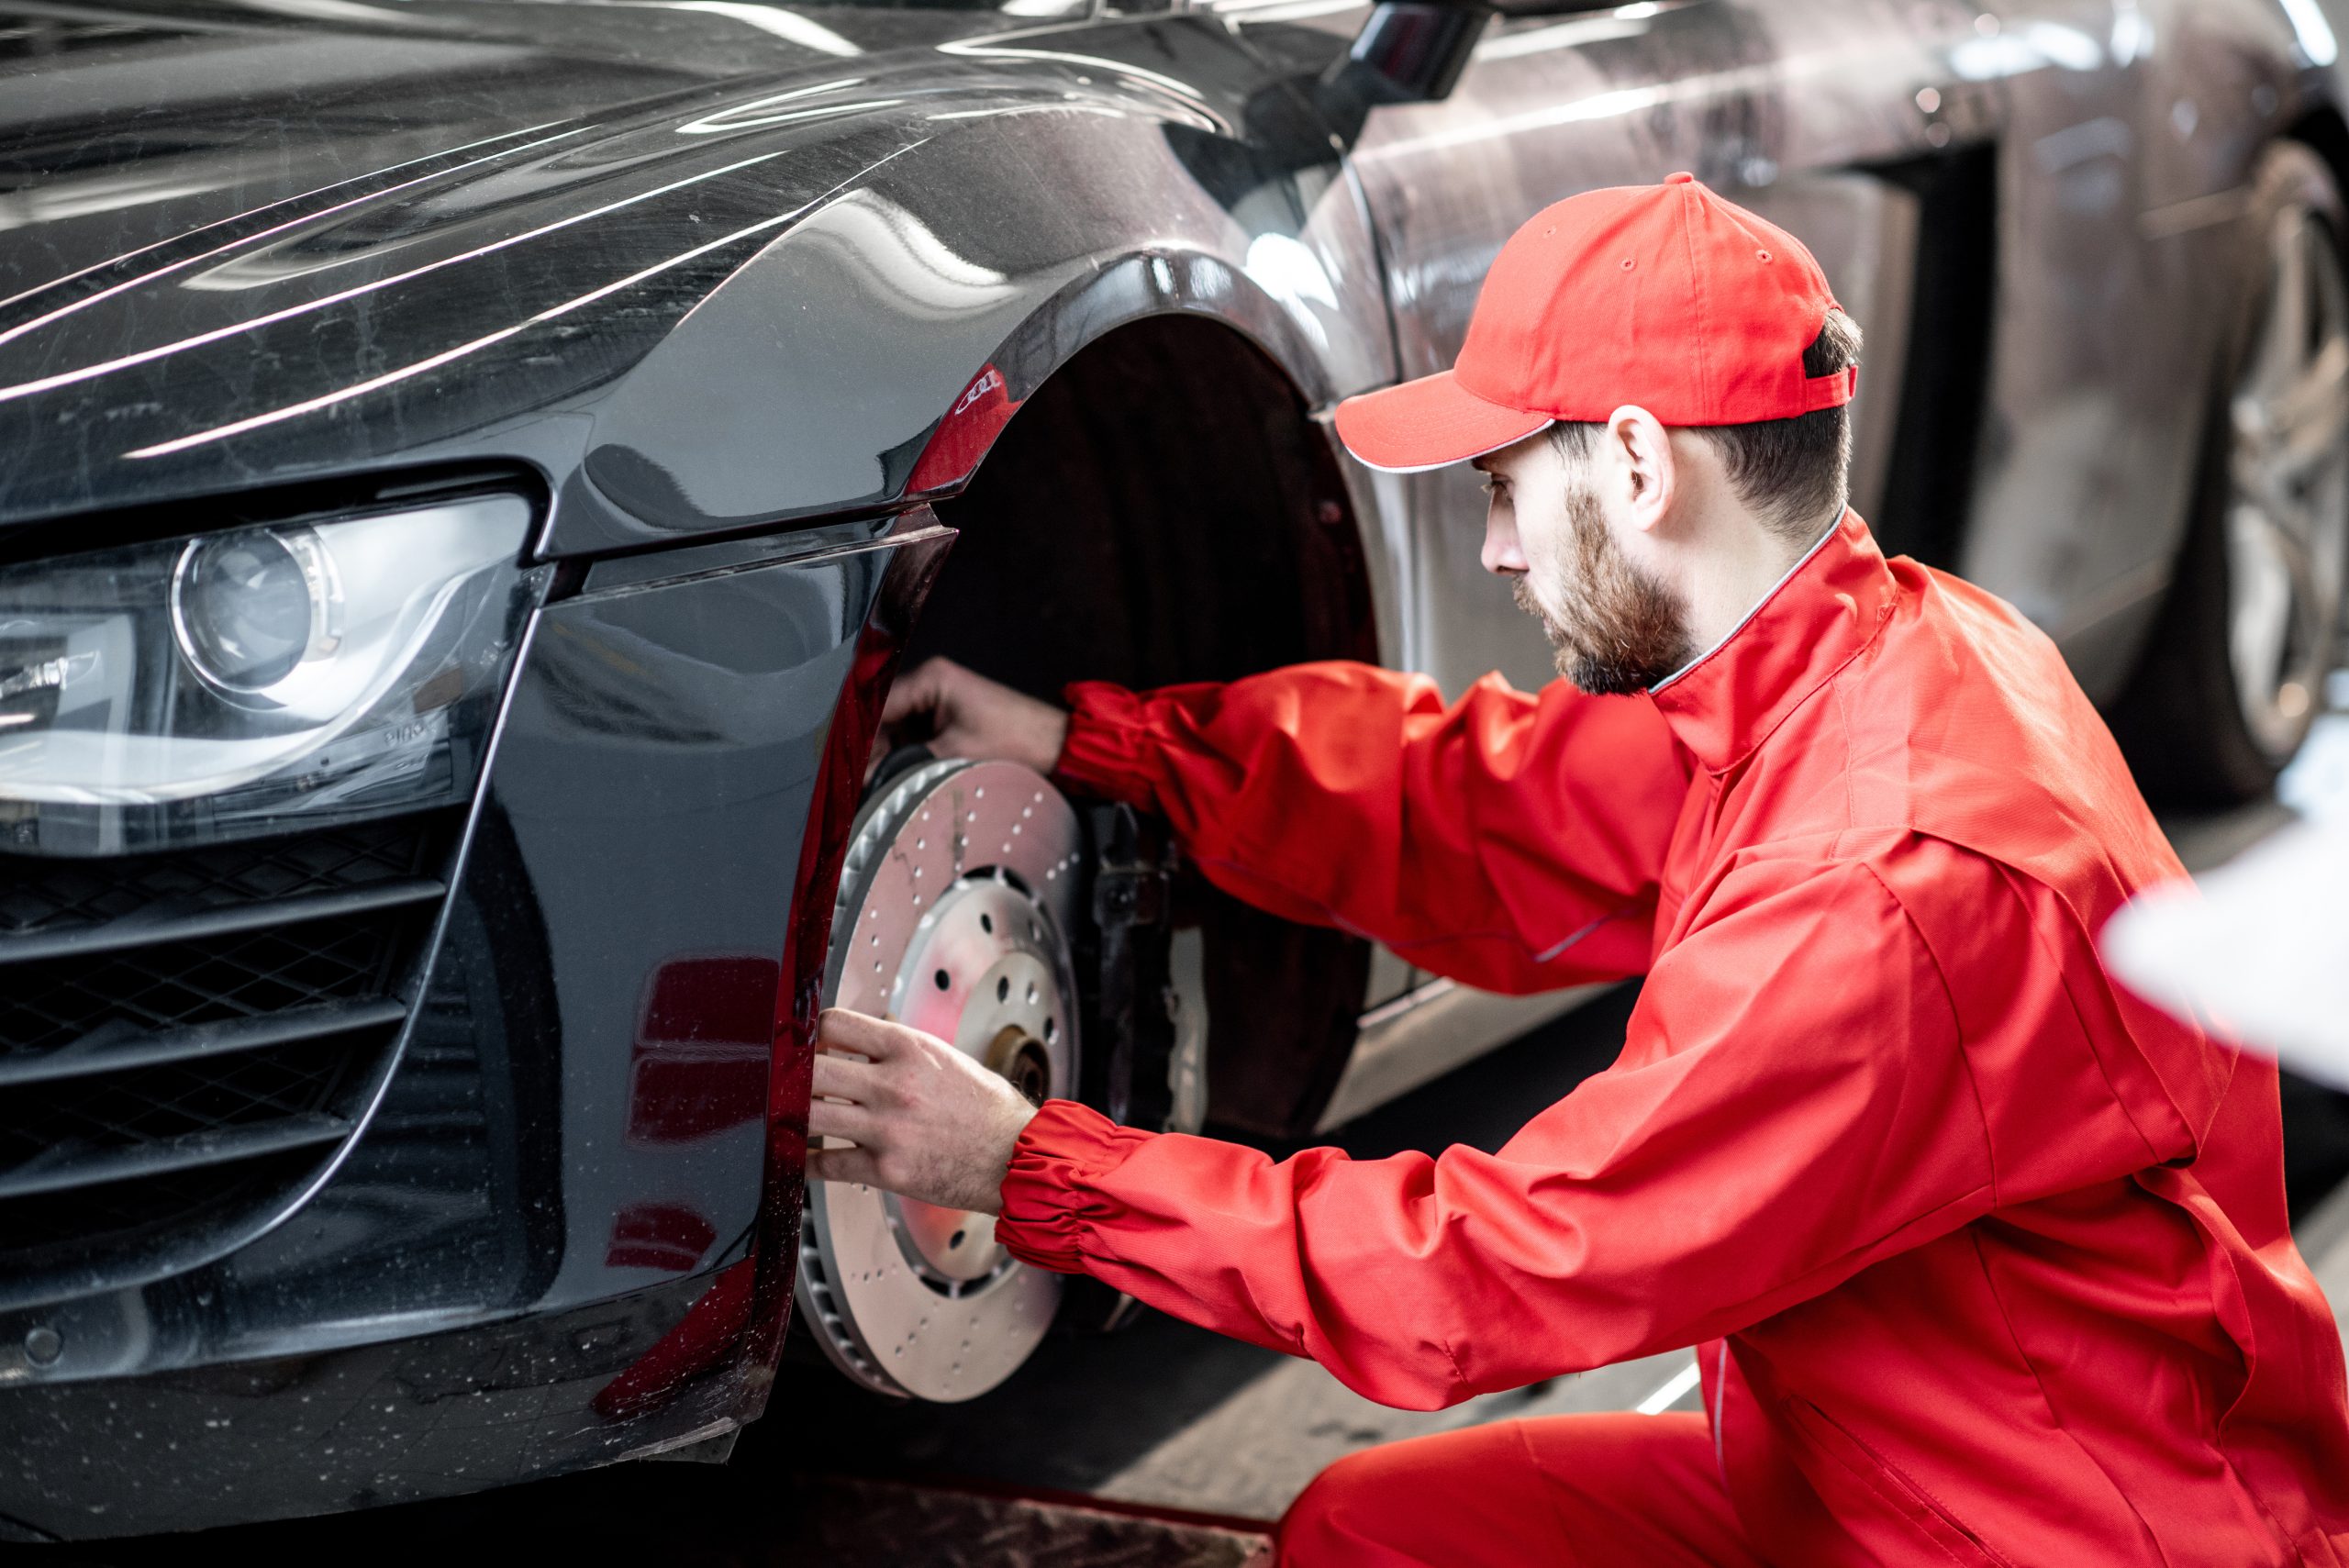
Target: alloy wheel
2287, 504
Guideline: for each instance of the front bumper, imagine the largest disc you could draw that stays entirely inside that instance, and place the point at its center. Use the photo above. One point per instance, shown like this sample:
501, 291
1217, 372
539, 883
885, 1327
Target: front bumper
565, 1231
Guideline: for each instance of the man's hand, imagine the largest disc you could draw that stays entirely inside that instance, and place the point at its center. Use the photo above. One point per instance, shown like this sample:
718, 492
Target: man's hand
970, 716
927, 1121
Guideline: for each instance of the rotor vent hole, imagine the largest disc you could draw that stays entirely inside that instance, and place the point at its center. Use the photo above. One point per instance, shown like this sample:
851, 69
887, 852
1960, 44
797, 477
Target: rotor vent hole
986, 924
1051, 1030
1003, 989
943, 979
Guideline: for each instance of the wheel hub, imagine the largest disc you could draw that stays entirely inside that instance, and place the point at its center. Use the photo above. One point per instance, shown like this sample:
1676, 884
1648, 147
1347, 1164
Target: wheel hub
955, 900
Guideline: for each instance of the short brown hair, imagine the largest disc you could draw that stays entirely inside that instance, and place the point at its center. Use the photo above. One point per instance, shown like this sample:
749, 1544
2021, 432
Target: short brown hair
1791, 471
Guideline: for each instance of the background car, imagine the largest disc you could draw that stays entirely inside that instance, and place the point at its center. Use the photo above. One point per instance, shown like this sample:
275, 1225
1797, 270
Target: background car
473, 470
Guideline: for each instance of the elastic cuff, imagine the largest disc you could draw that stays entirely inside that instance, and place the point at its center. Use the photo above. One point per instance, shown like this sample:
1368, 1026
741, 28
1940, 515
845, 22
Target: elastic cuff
1109, 742
1047, 1195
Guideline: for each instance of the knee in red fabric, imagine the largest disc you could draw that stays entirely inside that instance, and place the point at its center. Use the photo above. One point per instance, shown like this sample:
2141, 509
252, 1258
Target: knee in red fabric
1595, 1491
1471, 1499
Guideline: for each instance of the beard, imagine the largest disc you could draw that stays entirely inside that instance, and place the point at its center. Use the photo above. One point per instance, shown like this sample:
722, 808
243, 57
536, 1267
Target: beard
1615, 628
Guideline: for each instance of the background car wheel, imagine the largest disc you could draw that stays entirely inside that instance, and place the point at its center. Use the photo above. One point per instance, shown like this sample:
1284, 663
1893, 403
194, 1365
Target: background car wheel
2234, 675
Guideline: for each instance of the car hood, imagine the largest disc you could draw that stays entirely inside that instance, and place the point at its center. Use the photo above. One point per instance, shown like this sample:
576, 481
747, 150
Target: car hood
247, 241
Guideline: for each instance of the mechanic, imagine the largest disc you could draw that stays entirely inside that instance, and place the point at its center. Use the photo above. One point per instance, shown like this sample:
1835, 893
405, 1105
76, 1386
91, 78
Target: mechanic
1987, 1259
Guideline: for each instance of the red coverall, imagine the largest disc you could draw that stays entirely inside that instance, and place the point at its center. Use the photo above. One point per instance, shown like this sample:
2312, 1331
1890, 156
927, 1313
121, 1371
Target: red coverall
1987, 1261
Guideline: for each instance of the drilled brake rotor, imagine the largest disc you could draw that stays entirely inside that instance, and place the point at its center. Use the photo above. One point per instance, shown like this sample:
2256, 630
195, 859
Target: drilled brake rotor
955, 903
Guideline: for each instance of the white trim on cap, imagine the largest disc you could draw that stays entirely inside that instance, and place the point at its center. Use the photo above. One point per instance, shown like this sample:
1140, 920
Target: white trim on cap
1447, 462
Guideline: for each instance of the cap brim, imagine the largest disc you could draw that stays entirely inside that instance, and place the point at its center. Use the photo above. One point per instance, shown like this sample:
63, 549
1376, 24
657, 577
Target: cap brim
1430, 423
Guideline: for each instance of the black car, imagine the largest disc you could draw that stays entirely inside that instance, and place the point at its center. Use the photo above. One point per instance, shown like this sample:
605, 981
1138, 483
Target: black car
470, 471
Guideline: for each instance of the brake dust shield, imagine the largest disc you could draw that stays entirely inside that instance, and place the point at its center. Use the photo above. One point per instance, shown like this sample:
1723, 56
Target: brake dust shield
956, 905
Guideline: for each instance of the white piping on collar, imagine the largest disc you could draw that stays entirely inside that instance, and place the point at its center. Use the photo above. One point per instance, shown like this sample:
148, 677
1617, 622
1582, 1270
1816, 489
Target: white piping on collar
1743, 621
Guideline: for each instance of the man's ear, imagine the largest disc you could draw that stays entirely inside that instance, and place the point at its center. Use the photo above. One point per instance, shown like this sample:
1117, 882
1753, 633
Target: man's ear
1643, 452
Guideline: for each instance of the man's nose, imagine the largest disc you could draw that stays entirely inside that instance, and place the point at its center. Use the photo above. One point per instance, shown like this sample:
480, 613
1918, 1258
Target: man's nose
1501, 555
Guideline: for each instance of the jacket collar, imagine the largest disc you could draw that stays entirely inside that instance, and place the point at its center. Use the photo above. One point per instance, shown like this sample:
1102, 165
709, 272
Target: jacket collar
1820, 614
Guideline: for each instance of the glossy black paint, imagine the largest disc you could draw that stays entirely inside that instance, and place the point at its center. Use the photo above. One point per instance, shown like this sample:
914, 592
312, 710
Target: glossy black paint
702, 277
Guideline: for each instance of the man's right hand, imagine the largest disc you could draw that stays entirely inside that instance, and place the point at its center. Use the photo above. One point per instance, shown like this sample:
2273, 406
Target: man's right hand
967, 715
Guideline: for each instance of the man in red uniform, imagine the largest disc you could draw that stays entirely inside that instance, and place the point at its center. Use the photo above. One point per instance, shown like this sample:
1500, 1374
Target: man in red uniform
1986, 1259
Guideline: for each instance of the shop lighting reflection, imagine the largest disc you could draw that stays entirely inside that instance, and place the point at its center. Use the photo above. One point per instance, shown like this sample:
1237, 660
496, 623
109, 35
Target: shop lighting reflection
240, 329
754, 116
2033, 48
1010, 111
791, 26
448, 356
1288, 270
2314, 33
989, 48
301, 219
2132, 35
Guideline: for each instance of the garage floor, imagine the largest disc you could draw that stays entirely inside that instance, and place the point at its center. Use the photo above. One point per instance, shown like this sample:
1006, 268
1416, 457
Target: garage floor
1161, 1446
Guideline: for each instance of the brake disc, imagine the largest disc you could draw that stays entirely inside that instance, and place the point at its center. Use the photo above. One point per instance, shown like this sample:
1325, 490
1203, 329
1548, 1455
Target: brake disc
956, 900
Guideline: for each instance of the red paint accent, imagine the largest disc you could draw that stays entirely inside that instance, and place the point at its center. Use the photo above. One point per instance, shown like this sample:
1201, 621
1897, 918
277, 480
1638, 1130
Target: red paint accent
965, 433
665, 1236
700, 1062
840, 790
706, 1335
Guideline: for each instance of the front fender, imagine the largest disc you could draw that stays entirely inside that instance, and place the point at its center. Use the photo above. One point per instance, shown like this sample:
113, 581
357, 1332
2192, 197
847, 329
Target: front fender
867, 356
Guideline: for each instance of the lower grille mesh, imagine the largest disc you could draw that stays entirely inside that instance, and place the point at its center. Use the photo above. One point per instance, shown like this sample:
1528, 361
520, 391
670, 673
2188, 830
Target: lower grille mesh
59, 1003
185, 1037
73, 1117
51, 895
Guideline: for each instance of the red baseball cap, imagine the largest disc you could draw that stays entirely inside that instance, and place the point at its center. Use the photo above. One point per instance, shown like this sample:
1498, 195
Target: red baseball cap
1662, 296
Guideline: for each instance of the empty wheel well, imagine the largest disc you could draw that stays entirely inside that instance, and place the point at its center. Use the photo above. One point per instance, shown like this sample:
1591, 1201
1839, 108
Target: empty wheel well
1163, 509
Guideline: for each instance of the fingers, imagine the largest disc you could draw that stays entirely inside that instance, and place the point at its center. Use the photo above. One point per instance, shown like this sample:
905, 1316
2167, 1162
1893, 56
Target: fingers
843, 1165
828, 1119
837, 1028
839, 1078
919, 690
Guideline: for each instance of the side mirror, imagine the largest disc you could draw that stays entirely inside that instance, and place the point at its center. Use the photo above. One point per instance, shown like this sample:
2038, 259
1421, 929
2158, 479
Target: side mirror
1411, 52
1414, 50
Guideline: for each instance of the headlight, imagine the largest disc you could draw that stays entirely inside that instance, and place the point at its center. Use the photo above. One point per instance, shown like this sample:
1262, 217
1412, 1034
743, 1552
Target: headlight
213, 687
249, 607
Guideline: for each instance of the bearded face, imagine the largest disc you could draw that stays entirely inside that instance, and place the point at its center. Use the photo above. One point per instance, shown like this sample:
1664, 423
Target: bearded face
1613, 627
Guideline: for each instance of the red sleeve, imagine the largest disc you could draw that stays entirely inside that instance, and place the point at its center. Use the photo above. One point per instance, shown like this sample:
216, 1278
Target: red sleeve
1511, 841
1792, 1104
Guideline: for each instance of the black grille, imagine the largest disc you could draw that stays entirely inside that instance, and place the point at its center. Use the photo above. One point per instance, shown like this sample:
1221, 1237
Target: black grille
173, 984
185, 1037
51, 895
68, 1119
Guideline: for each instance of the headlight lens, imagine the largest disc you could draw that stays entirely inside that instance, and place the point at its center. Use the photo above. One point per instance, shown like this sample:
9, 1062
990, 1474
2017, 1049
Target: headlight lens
250, 607
213, 687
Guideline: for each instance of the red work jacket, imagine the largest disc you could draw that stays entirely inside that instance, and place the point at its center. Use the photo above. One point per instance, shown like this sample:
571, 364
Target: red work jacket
1986, 1261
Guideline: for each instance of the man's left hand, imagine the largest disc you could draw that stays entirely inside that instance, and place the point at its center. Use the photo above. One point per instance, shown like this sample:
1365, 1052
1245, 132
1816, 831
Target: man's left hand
928, 1122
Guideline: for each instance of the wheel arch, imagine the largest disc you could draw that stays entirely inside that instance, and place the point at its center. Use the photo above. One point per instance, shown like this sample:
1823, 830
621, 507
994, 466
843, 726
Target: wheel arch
1163, 508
